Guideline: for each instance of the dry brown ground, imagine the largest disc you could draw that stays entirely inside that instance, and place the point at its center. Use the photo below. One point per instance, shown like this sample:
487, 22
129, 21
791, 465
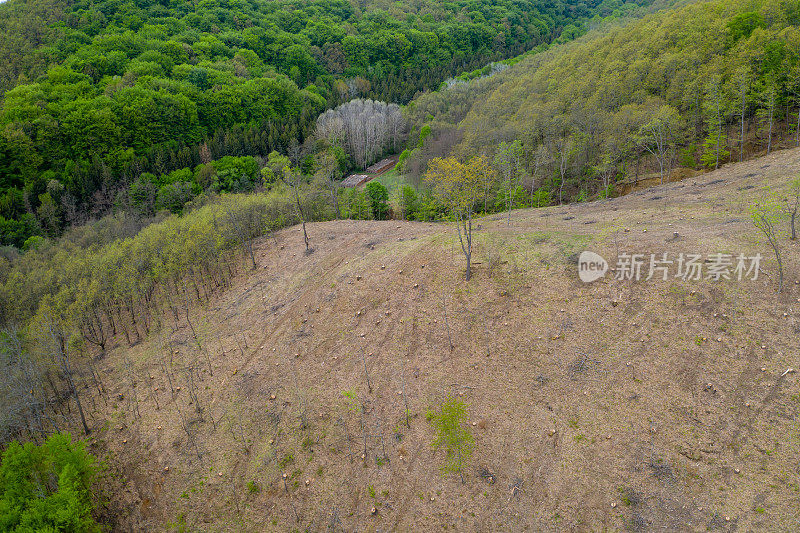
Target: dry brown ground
657, 405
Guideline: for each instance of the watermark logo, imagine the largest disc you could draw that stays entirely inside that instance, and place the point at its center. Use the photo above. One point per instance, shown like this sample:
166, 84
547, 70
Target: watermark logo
686, 267
591, 266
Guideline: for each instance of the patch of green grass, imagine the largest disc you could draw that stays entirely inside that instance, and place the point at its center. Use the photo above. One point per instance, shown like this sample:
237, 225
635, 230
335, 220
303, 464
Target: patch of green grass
351, 400
625, 496
392, 180
286, 460
179, 524
452, 433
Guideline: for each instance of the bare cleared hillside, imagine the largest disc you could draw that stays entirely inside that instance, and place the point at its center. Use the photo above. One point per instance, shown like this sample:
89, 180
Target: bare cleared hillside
649, 405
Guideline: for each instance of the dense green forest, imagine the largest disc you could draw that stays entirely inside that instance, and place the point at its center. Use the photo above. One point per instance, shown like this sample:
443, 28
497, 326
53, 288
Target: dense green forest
693, 87
48, 487
94, 94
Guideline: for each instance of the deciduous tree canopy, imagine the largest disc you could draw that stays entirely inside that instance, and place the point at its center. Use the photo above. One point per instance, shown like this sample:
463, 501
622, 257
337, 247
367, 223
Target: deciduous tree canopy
692, 86
47, 487
96, 92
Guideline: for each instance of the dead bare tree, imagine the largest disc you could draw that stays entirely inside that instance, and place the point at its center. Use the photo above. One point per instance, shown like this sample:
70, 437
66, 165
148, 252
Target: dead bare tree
301, 401
564, 150
191, 388
164, 366
279, 168
509, 162
769, 99
765, 217
236, 424
347, 438
93, 331
246, 221
25, 406
189, 434
365, 129
53, 340
743, 80
366, 372
658, 135
196, 338
129, 368
98, 383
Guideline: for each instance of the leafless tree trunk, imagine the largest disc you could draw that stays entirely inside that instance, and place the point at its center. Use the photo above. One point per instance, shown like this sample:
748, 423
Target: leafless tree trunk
327, 171
764, 223
366, 372
715, 94
743, 85
292, 179
562, 167
771, 111
25, 404
194, 331
793, 206
58, 348
129, 368
301, 401
797, 129
365, 129
465, 237
246, 223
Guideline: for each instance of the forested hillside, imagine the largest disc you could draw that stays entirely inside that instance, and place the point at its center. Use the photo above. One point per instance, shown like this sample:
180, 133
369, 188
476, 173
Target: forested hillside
243, 343
693, 87
98, 92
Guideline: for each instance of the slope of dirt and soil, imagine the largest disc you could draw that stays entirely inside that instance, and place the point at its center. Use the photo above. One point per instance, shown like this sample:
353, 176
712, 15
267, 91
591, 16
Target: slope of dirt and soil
650, 405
